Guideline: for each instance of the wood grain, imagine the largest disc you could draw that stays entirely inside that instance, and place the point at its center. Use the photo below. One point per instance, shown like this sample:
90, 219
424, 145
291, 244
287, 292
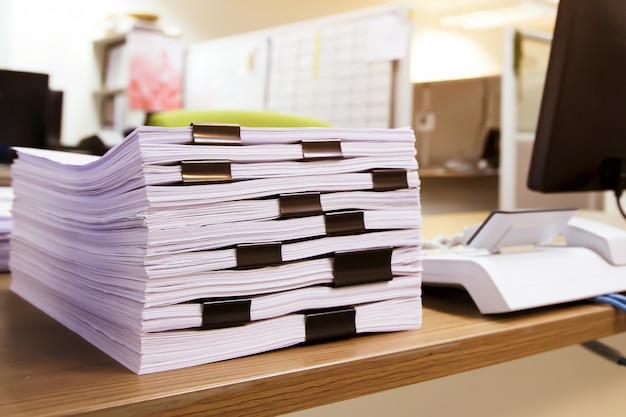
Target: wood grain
46, 370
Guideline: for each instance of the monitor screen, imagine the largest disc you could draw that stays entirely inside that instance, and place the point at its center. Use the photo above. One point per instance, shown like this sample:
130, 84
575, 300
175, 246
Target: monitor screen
580, 142
23, 103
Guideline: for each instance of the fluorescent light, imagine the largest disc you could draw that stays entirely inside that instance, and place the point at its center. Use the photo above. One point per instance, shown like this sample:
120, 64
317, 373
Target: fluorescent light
527, 10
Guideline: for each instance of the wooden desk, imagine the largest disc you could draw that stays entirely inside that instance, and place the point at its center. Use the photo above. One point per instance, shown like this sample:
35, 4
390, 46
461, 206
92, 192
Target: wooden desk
5, 175
46, 370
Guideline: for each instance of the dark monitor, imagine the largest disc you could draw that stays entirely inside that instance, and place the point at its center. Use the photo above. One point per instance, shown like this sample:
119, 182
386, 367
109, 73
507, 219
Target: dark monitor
54, 115
23, 103
580, 142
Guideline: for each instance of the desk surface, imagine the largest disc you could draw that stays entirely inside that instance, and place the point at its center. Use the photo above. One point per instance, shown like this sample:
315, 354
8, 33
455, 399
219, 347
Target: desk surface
47, 370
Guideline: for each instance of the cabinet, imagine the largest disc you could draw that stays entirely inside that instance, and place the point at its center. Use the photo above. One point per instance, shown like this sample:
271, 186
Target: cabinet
140, 72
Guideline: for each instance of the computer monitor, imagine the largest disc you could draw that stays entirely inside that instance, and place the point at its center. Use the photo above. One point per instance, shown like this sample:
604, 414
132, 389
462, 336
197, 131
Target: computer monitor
580, 142
54, 116
23, 104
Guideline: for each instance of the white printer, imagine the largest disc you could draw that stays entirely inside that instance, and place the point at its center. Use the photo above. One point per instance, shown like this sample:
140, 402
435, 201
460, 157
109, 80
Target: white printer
510, 262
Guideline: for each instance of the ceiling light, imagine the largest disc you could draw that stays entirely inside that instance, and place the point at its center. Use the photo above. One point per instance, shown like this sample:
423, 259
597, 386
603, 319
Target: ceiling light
526, 10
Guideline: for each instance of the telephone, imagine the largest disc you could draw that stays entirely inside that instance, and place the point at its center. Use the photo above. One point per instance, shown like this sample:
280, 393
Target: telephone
512, 261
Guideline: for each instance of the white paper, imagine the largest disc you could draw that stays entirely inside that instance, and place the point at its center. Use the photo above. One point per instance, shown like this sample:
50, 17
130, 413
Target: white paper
119, 250
387, 38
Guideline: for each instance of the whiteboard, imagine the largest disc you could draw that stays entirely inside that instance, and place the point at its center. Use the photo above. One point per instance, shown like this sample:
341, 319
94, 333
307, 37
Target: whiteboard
227, 73
327, 73
350, 69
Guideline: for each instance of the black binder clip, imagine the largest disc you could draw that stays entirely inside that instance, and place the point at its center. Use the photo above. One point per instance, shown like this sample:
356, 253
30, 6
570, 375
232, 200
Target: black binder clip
300, 205
195, 172
330, 324
215, 134
321, 149
225, 313
344, 223
362, 267
253, 255
389, 179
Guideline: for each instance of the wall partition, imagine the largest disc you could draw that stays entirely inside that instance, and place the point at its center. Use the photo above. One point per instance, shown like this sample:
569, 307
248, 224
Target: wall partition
525, 61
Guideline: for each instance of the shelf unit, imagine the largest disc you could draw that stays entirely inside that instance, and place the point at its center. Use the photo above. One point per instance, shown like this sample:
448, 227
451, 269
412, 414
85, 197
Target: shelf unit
140, 72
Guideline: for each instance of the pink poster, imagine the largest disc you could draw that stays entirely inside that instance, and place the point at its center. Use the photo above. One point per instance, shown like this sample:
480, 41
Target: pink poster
155, 82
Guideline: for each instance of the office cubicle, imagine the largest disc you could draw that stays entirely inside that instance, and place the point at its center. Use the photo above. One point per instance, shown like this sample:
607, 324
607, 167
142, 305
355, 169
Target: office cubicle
453, 120
456, 126
525, 61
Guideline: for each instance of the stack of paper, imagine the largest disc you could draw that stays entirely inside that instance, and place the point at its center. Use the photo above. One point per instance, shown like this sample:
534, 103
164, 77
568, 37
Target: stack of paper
6, 224
191, 245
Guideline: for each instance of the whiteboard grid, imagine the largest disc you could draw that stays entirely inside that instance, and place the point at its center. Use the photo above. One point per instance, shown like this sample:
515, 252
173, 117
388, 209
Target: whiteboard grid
320, 68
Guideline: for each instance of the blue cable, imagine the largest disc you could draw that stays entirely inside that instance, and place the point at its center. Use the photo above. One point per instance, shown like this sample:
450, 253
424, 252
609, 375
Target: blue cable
617, 301
611, 300
618, 297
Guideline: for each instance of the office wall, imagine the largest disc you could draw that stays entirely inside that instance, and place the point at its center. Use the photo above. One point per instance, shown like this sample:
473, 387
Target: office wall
55, 36
447, 53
